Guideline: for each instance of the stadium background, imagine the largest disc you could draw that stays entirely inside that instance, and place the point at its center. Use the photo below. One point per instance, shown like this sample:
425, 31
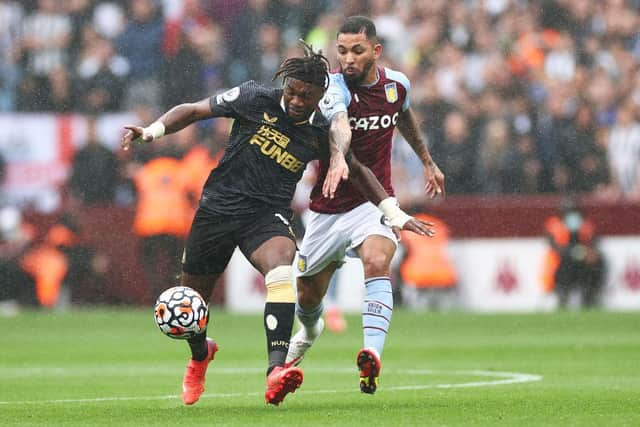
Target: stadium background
522, 103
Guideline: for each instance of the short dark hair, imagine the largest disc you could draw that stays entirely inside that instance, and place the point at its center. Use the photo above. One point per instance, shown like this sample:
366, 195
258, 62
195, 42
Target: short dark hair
312, 68
359, 24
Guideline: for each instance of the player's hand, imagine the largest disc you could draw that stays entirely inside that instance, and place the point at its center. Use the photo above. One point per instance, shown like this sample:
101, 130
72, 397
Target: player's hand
417, 226
134, 134
338, 171
434, 180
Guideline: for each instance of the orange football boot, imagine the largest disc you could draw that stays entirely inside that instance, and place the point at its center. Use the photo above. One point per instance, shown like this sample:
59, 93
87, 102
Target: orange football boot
194, 376
280, 382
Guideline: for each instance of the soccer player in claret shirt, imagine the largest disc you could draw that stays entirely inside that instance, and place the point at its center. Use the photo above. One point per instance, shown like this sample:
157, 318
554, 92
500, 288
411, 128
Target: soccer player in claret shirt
246, 201
364, 103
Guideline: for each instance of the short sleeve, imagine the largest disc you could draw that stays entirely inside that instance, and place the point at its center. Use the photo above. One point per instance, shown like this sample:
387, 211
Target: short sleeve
233, 102
404, 81
337, 97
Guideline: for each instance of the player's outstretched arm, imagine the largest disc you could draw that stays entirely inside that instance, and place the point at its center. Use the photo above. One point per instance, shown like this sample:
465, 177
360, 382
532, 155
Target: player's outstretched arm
172, 121
339, 142
434, 178
366, 182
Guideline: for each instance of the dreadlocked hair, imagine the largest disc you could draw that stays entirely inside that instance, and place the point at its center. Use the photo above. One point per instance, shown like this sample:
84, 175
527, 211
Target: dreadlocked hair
312, 68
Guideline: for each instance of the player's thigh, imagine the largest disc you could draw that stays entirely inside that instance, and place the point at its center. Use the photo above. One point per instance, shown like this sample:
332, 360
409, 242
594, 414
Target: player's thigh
365, 225
268, 241
325, 241
203, 283
210, 244
276, 251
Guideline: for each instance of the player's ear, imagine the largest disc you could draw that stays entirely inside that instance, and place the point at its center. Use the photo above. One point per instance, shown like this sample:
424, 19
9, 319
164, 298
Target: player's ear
377, 50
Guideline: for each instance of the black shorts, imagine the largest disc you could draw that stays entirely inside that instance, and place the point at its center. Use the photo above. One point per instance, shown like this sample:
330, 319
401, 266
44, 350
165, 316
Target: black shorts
213, 238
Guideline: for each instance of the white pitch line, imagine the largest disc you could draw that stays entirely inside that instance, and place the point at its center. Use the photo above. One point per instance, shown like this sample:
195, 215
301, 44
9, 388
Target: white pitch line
504, 379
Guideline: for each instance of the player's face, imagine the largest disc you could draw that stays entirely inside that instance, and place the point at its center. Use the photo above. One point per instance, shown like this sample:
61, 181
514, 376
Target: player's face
357, 55
301, 98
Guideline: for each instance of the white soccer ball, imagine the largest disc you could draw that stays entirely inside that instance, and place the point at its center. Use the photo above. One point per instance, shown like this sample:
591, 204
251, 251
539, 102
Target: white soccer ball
181, 312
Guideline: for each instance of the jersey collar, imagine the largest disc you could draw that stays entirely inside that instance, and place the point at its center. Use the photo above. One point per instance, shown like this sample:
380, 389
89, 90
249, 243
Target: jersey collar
309, 120
375, 82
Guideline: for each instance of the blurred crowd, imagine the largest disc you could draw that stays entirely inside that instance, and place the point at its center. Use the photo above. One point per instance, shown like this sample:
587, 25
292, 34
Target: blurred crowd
515, 96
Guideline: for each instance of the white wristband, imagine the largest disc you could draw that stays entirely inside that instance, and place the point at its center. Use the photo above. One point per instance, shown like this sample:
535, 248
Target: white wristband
394, 216
155, 130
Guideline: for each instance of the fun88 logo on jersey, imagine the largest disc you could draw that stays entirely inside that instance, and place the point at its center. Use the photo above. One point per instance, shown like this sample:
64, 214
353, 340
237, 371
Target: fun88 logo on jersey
373, 122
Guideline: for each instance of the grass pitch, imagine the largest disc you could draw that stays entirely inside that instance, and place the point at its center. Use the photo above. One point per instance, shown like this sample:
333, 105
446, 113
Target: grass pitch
98, 368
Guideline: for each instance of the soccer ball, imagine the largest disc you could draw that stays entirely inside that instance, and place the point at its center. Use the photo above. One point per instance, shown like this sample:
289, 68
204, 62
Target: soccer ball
181, 313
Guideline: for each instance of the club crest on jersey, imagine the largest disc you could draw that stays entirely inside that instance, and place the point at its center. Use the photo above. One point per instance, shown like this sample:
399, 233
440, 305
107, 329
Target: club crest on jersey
229, 96
302, 263
267, 119
391, 90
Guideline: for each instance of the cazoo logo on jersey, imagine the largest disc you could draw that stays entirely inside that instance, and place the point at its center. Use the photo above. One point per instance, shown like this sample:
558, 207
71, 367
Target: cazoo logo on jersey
373, 122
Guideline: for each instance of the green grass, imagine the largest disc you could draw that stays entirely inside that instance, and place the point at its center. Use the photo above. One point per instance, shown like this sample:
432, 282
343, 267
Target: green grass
96, 368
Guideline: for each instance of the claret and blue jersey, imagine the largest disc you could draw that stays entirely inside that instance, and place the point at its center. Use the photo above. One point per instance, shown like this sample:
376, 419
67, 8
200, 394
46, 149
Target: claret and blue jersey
373, 112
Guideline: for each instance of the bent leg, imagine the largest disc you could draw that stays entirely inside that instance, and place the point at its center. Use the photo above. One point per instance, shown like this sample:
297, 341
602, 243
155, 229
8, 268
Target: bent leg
311, 291
203, 349
273, 259
204, 284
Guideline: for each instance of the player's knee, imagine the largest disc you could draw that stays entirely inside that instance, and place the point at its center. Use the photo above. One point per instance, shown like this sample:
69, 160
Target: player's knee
376, 264
279, 285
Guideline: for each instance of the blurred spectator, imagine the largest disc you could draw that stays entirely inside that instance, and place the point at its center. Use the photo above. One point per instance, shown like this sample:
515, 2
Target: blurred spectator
11, 15
47, 266
624, 152
85, 279
95, 171
389, 27
322, 35
531, 173
186, 38
214, 56
101, 75
558, 72
433, 110
141, 45
60, 97
45, 42
583, 162
407, 176
296, 18
17, 287
560, 62
162, 219
429, 278
226, 11
456, 155
80, 13
3, 169
270, 53
553, 124
498, 164
513, 96
574, 262
244, 58
200, 159
108, 19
